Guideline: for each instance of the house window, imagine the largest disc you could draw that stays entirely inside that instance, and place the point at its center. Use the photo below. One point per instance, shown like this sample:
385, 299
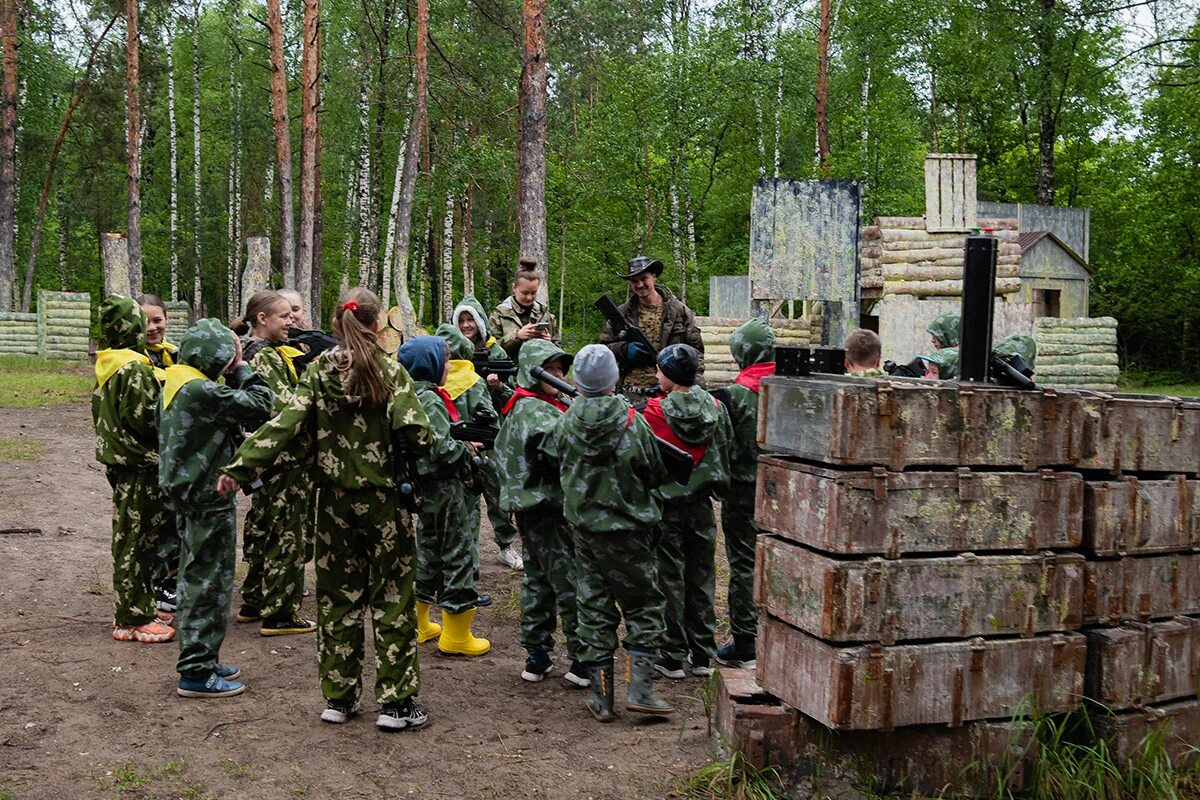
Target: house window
1047, 302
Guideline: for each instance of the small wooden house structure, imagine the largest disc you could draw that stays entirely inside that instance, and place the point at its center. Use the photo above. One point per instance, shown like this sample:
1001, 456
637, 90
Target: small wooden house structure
1054, 278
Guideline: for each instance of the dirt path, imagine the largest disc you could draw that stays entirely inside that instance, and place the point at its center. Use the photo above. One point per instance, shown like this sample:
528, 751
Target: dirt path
82, 715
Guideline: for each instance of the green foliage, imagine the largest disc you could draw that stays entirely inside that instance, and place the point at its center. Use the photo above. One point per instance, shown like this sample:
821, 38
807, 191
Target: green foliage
28, 382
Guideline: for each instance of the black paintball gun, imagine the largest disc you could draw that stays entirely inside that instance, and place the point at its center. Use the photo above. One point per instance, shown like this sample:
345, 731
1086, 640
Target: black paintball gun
1010, 369
313, 343
913, 369
678, 462
622, 327
558, 383
474, 432
485, 365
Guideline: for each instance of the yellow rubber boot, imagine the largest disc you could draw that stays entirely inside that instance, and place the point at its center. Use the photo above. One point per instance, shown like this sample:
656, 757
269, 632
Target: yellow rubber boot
426, 630
457, 639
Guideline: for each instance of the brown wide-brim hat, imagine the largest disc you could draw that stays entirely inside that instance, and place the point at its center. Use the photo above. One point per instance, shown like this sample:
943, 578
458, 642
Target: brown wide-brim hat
637, 266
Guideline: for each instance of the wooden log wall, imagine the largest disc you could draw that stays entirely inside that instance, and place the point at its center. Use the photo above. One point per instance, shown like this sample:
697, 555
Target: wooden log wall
719, 366
177, 320
18, 334
60, 328
1079, 353
899, 256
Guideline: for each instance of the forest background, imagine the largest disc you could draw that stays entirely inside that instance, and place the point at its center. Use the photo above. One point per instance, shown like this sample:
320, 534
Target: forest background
659, 115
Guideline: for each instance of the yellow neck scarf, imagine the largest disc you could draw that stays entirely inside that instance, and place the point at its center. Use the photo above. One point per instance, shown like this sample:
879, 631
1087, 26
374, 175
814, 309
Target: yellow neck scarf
462, 377
287, 353
164, 348
109, 361
178, 376
491, 341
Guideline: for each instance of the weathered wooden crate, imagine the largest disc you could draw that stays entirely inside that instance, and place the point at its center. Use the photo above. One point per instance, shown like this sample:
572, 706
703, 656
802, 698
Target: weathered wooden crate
1138, 664
1141, 588
878, 512
1137, 433
1130, 516
1179, 722
872, 687
926, 759
881, 600
901, 423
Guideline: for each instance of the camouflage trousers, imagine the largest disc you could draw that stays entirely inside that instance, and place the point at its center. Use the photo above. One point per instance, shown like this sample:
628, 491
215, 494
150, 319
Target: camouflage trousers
204, 586
548, 584
741, 536
447, 549
137, 523
166, 562
687, 576
617, 570
365, 546
503, 529
273, 543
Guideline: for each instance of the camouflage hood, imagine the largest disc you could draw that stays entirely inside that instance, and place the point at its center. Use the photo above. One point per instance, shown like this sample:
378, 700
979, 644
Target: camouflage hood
535, 353
208, 346
944, 328
752, 343
593, 427
693, 415
473, 307
122, 324
1019, 344
425, 358
461, 347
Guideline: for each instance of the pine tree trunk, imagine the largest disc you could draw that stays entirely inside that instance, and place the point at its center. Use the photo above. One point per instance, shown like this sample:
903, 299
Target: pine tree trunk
197, 286
446, 280
467, 232
823, 88
133, 147
173, 136
409, 182
310, 77
531, 163
8, 155
318, 251
283, 143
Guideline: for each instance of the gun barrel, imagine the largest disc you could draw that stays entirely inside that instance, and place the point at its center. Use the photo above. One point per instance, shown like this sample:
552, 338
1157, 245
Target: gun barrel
555, 381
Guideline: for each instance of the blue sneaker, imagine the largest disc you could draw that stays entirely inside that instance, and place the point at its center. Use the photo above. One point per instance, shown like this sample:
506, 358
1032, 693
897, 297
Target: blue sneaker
537, 666
213, 686
229, 672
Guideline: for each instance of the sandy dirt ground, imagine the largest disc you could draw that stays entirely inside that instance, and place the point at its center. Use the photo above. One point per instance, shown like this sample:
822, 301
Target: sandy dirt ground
82, 715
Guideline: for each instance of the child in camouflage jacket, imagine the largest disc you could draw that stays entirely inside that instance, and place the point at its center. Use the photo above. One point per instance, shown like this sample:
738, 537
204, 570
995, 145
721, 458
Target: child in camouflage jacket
367, 425
609, 466
124, 404
200, 425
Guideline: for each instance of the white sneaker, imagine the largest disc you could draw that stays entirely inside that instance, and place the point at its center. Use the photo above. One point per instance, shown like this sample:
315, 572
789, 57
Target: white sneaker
511, 558
338, 712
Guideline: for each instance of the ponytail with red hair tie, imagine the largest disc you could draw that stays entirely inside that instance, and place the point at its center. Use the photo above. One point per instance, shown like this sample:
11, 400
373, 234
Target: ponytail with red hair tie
350, 306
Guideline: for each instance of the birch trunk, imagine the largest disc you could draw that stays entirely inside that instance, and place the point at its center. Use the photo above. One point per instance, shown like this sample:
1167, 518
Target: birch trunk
446, 280
531, 163
467, 232
365, 254
197, 286
64, 227
133, 148
385, 284
232, 255
310, 77
778, 86
8, 155
404, 215
757, 53
283, 143
863, 99
348, 227
173, 136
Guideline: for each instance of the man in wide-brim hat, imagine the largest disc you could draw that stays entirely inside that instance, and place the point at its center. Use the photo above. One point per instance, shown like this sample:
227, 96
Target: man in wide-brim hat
660, 315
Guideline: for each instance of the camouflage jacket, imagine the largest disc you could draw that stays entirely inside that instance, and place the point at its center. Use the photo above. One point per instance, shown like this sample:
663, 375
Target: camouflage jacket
609, 466
446, 457
269, 362
125, 398
509, 317
200, 420
678, 325
356, 447
753, 348
698, 421
475, 403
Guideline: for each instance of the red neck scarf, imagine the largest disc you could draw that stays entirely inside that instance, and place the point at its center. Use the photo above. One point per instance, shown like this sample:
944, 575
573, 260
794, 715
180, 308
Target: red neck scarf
751, 377
523, 392
654, 415
451, 409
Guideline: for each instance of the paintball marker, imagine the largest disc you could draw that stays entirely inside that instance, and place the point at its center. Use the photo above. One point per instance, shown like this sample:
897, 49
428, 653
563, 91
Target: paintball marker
913, 369
802, 361
1011, 370
622, 328
486, 365
313, 343
678, 462
558, 383
474, 432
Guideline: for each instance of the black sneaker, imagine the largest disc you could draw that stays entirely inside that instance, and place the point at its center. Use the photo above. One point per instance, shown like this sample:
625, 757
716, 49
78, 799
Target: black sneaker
165, 598
287, 625
537, 666
578, 675
338, 711
398, 716
483, 600
737, 654
669, 668
248, 614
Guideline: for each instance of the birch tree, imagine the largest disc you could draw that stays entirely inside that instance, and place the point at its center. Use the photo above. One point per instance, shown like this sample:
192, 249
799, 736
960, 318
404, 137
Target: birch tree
173, 138
197, 285
409, 182
133, 148
446, 279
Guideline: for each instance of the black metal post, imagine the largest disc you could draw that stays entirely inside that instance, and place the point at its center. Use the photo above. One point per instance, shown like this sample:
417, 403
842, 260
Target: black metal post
978, 298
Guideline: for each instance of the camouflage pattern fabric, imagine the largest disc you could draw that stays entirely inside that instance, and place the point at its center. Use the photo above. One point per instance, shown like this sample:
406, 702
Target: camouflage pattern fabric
944, 328
687, 576
1019, 344
946, 360
548, 585
741, 537
124, 407
504, 532
617, 577
274, 543
204, 587
698, 419
678, 325
609, 466
753, 342
137, 524
166, 561
870, 372
365, 546
509, 317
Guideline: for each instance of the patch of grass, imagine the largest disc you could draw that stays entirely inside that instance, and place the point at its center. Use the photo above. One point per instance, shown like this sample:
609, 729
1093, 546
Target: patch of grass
1169, 389
21, 450
27, 382
732, 779
129, 777
236, 769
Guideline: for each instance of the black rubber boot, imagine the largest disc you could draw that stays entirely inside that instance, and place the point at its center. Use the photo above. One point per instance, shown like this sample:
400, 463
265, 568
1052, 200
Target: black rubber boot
641, 696
600, 703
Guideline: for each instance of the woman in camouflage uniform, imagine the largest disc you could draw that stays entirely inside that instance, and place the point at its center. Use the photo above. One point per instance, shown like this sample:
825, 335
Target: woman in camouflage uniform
367, 425
278, 522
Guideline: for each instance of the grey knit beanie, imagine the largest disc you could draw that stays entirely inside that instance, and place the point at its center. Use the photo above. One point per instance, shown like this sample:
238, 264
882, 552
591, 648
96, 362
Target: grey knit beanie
595, 370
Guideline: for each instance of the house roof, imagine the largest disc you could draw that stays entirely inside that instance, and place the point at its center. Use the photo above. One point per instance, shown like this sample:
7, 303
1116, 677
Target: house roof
1029, 239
